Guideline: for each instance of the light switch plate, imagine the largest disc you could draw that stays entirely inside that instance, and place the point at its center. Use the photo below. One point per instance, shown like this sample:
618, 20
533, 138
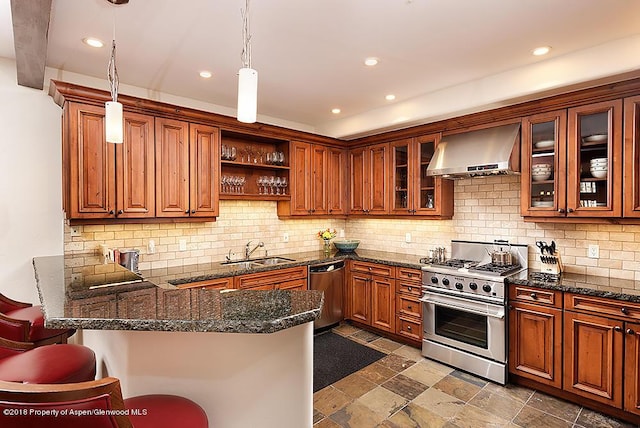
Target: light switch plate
594, 251
183, 244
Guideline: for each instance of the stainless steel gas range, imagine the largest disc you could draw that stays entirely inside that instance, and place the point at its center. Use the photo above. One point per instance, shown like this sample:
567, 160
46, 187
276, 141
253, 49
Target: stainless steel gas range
464, 307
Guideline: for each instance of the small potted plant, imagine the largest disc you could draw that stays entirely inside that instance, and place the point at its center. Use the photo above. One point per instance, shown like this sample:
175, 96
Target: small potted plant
327, 235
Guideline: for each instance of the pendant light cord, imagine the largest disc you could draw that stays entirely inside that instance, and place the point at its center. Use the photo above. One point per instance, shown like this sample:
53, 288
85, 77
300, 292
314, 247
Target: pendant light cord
246, 37
112, 70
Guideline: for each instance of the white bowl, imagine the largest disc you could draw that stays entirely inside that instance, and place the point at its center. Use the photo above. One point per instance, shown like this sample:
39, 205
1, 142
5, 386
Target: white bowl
541, 177
599, 174
599, 168
595, 137
599, 160
540, 170
542, 203
545, 144
541, 165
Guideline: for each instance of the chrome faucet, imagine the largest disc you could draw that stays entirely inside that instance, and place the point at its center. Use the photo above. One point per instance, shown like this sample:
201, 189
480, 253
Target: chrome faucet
248, 251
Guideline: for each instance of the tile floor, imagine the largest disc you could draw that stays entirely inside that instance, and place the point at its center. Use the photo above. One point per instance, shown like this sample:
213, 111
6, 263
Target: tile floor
405, 390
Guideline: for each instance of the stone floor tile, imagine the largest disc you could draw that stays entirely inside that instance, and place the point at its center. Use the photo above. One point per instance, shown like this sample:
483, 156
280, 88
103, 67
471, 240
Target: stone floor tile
409, 352
377, 373
457, 387
414, 416
518, 392
345, 329
496, 404
385, 345
469, 378
530, 417
427, 372
474, 417
317, 416
364, 336
357, 415
396, 362
382, 401
326, 423
355, 385
555, 406
405, 386
440, 403
588, 418
329, 400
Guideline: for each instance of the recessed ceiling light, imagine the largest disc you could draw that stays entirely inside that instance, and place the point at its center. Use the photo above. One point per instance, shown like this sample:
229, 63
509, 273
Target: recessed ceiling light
205, 74
371, 61
390, 97
335, 110
93, 42
542, 50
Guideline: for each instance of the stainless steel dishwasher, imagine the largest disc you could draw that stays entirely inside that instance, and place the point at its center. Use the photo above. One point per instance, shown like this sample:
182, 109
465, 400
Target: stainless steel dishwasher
328, 277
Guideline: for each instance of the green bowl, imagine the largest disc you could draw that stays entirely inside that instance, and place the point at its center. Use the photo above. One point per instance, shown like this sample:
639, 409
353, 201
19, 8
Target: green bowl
346, 245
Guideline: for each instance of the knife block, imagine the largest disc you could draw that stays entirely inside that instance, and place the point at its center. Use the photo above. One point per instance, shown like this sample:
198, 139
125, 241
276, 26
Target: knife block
551, 264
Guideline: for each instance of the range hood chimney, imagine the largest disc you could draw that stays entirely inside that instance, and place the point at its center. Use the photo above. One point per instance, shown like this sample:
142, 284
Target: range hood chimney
489, 151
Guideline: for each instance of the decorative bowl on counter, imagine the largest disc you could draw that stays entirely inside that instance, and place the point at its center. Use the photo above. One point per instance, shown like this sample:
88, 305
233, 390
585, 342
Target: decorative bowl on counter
346, 245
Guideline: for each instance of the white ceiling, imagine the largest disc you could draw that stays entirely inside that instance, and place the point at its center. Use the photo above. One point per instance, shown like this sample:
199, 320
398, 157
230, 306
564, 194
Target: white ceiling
438, 57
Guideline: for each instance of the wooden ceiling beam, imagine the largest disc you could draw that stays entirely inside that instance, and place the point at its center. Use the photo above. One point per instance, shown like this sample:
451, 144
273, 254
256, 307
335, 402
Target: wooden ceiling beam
30, 35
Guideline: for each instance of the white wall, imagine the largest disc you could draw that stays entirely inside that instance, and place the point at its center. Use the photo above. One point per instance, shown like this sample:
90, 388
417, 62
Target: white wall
30, 183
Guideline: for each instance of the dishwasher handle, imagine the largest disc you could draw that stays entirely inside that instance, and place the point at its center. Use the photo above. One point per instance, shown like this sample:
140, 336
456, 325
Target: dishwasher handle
326, 267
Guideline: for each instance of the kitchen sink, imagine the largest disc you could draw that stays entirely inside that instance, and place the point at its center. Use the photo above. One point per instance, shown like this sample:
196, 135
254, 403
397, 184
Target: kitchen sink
272, 261
241, 264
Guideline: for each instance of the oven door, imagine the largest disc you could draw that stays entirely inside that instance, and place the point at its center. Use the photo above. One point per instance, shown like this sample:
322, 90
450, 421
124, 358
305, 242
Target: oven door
468, 325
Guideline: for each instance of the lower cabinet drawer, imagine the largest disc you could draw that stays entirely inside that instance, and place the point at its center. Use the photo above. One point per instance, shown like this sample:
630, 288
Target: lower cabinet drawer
409, 327
409, 306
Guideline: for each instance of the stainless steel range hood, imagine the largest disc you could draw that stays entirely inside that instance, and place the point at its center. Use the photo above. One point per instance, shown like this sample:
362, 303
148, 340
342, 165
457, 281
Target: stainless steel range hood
476, 153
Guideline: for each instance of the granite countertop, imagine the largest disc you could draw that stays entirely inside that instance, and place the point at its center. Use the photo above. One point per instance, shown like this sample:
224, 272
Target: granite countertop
592, 285
80, 291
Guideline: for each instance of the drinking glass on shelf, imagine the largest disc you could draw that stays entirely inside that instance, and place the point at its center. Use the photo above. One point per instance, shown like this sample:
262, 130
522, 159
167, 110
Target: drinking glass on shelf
276, 184
271, 182
283, 180
224, 181
233, 153
241, 181
280, 158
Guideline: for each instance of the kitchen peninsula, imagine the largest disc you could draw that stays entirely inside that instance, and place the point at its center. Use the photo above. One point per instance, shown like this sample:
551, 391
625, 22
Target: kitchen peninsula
198, 343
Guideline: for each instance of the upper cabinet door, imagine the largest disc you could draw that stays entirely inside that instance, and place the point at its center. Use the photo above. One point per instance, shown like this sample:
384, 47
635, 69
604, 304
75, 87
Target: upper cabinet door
318, 180
336, 181
135, 168
204, 170
89, 164
594, 160
378, 186
431, 195
402, 179
632, 157
358, 181
172, 168
543, 179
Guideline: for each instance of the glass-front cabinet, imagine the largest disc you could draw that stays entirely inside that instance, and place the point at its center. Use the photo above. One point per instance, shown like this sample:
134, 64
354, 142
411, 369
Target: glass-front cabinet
413, 192
572, 162
594, 160
632, 157
544, 165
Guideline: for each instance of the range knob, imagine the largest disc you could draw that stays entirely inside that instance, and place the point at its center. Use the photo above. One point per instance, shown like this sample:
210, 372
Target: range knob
459, 285
473, 286
486, 288
434, 279
445, 281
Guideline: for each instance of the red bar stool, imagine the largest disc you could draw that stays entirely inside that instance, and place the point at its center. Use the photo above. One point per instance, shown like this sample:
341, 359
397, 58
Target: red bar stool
96, 404
23, 322
60, 363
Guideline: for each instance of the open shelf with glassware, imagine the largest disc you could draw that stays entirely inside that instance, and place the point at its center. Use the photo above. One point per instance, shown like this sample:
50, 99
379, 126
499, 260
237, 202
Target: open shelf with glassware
253, 167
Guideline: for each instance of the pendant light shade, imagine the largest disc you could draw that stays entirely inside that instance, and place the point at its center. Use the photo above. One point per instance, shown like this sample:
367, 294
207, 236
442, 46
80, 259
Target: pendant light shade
247, 95
113, 122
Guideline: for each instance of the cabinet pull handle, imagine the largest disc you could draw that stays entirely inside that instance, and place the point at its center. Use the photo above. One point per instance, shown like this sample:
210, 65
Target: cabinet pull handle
617, 328
624, 310
561, 210
409, 307
330, 210
193, 211
570, 210
534, 296
111, 212
629, 331
410, 288
186, 211
120, 212
510, 307
409, 327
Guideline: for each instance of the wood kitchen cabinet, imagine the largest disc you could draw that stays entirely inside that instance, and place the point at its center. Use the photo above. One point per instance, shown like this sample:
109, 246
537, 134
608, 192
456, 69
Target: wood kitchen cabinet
187, 177
632, 157
412, 191
317, 181
369, 173
408, 306
572, 190
210, 284
371, 295
535, 334
103, 180
294, 278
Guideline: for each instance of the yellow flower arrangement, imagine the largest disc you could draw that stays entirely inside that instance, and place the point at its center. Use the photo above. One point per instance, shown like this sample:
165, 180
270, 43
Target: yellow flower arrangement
327, 234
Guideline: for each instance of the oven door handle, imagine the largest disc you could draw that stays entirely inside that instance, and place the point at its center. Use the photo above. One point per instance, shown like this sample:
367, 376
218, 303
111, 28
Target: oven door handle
498, 314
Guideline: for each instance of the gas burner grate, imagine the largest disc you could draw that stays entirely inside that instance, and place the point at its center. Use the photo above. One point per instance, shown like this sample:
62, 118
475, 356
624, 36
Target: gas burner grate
457, 263
498, 270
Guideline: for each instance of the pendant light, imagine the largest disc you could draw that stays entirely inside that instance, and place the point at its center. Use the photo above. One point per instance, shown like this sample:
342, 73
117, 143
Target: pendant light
247, 76
113, 109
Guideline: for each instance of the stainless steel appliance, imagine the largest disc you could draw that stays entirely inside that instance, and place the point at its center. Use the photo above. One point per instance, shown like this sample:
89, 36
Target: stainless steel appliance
464, 308
129, 259
328, 277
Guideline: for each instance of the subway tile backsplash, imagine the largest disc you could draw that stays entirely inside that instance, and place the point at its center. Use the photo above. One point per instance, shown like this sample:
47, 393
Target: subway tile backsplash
485, 209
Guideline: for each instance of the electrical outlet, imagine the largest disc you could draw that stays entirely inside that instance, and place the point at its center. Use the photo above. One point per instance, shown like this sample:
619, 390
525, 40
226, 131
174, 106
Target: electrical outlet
183, 244
407, 237
75, 231
594, 251
285, 237
151, 247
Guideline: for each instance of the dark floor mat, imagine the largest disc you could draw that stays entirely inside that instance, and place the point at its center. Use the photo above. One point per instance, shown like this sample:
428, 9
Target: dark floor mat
335, 357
